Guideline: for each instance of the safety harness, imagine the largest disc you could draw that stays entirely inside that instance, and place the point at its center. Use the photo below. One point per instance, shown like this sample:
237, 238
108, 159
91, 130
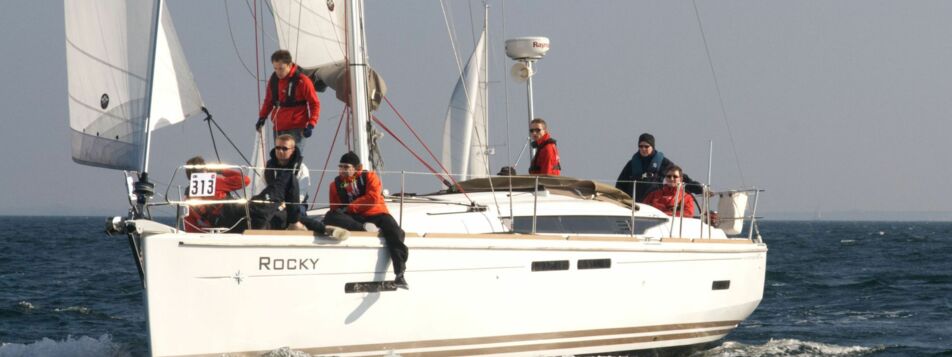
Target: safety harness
534, 167
289, 100
360, 187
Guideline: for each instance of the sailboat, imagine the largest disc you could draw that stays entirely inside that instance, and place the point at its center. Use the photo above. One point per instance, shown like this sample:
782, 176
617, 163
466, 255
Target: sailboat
518, 265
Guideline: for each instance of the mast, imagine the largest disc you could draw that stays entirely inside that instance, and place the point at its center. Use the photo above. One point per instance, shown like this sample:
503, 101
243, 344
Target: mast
484, 87
144, 189
357, 61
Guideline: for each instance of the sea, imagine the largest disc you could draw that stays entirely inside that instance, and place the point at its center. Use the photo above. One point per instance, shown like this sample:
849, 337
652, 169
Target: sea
832, 289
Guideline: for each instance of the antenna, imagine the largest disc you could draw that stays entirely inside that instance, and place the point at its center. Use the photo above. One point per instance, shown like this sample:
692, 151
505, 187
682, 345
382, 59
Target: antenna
526, 50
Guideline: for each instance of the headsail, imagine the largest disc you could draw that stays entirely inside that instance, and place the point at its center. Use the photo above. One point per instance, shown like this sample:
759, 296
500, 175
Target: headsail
109, 52
465, 145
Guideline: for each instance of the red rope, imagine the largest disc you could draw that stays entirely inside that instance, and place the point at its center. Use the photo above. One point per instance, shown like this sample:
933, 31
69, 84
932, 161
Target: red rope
328, 159
456, 184
432, 170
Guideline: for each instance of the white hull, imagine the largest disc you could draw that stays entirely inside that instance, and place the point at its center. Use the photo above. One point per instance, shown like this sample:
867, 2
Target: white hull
469, 294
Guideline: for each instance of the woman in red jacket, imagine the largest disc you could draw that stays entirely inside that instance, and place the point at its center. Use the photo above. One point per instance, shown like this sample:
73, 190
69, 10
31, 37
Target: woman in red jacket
671, 197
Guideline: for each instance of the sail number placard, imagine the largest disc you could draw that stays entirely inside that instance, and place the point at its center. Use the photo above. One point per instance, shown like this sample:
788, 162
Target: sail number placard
201, 184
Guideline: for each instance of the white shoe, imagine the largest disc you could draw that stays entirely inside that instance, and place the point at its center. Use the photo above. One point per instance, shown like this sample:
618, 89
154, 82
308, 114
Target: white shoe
370, 227
297, 226
337, 233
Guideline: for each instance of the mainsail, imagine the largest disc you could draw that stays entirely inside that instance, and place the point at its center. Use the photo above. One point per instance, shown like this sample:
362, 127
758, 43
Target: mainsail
465, 145
109, 53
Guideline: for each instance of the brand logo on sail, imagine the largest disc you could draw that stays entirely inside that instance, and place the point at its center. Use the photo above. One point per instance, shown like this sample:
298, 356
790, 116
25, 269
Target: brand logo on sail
269, 263
330, 5
104, 101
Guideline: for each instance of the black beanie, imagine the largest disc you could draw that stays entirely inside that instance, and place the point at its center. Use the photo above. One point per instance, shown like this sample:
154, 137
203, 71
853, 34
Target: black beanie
350, 158
646, 138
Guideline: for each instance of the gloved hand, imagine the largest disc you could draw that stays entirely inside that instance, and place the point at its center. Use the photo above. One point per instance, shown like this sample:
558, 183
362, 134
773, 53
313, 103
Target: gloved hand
308, 131
260, 123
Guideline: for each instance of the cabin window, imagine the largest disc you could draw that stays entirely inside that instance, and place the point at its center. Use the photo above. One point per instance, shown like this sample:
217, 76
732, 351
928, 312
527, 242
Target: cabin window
594, 264
550, 265
584, 224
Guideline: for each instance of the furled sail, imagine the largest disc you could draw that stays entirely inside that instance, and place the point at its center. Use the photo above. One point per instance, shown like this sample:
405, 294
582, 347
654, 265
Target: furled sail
465, 145
108, 53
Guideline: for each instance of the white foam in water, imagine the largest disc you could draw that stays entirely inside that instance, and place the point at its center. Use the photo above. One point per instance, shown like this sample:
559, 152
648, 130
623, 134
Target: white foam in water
785, 347
73, 347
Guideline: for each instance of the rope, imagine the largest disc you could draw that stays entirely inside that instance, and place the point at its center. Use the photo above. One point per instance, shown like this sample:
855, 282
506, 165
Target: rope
254, 16
328, 159
420, 140
234, 44
405, 146
208, 120
717, 87
212, 121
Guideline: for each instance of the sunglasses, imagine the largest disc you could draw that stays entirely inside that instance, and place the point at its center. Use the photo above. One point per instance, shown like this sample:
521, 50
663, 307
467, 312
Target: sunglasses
644, 146
282, 148
535, 130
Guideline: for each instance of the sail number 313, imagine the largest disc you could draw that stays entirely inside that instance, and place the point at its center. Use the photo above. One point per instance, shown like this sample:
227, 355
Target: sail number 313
201, 184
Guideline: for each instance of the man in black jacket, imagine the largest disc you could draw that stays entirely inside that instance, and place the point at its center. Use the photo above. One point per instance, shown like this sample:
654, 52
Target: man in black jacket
647, 167
277, 205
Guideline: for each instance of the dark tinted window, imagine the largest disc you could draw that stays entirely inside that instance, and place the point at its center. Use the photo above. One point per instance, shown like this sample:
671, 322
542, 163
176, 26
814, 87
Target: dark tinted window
584, 224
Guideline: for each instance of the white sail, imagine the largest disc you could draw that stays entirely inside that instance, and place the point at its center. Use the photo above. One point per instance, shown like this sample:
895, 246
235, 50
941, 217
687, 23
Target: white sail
465, 146
313, 31
108, 52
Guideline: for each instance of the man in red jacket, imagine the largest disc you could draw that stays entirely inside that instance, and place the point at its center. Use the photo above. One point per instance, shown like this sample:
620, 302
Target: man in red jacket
671, 197
290, 99
356, 198
202, 217
546, 159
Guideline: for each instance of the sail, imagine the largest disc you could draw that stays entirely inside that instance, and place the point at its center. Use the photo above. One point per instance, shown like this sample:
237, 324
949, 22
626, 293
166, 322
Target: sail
108, 53
313, 31
465, 146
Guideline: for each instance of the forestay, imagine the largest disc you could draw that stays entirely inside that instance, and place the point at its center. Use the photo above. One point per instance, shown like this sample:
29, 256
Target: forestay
109, 53
465, 146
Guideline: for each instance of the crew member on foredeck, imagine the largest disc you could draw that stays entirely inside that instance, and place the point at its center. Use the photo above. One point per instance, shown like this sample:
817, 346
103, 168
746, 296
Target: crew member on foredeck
356, 199
546, 159
647, 166
672, 197
202, 217
290, 99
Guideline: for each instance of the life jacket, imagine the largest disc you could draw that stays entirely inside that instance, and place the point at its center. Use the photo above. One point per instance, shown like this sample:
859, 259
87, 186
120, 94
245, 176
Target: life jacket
289, 100
637, 171
360, 187
534, 166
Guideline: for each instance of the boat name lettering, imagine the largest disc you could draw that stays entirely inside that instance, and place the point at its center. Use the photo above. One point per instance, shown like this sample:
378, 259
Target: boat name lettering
269, 263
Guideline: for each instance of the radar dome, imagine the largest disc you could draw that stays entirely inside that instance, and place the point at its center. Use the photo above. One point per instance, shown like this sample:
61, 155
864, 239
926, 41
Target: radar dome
527, 47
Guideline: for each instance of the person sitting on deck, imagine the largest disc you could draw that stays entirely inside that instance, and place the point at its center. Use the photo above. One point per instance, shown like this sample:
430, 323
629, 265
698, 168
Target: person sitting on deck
546, 159
277, 204
202, 217
646, 167
356, 199
672, 196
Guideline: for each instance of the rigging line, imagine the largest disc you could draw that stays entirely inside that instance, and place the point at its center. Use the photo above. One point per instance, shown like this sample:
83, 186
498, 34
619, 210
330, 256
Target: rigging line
472, 32
297, 41
320, 182
212, 121
212, 135
257, 63
233, 43
506, 86
717, 87
251, 12
438, 176
450, 30
438, 162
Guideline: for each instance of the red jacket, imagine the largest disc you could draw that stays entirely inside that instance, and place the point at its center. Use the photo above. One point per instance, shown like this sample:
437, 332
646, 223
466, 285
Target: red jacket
202, 216
294, 117
546, 160
664, 200
363, 194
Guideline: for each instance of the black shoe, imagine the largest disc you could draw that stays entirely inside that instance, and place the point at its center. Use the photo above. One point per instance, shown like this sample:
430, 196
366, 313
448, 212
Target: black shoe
401, 283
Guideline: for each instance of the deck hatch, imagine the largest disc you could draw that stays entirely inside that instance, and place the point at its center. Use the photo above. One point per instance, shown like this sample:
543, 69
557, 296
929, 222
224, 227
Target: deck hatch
594, 264
721, 285
550, 265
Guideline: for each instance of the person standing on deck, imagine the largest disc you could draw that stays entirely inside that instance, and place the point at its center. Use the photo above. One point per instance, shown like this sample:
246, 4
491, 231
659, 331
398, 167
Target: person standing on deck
672, 197
647, 166
356, 198
546, 159
290, 99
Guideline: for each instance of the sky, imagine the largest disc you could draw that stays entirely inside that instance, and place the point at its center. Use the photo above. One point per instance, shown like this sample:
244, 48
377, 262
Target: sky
832, 107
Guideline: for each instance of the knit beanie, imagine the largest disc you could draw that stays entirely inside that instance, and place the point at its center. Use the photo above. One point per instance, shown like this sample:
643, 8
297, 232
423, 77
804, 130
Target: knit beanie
646, 138
350, 158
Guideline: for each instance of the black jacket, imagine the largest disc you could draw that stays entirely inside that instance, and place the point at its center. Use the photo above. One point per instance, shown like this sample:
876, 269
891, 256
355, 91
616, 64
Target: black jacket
654, 178
282, 184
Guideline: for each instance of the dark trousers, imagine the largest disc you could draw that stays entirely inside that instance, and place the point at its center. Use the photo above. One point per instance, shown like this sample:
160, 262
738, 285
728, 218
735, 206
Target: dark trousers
392, 233
267, 216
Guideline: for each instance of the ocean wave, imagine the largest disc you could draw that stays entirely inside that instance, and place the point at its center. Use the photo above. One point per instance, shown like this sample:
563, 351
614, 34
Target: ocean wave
80, 309
784, 348
83, 346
